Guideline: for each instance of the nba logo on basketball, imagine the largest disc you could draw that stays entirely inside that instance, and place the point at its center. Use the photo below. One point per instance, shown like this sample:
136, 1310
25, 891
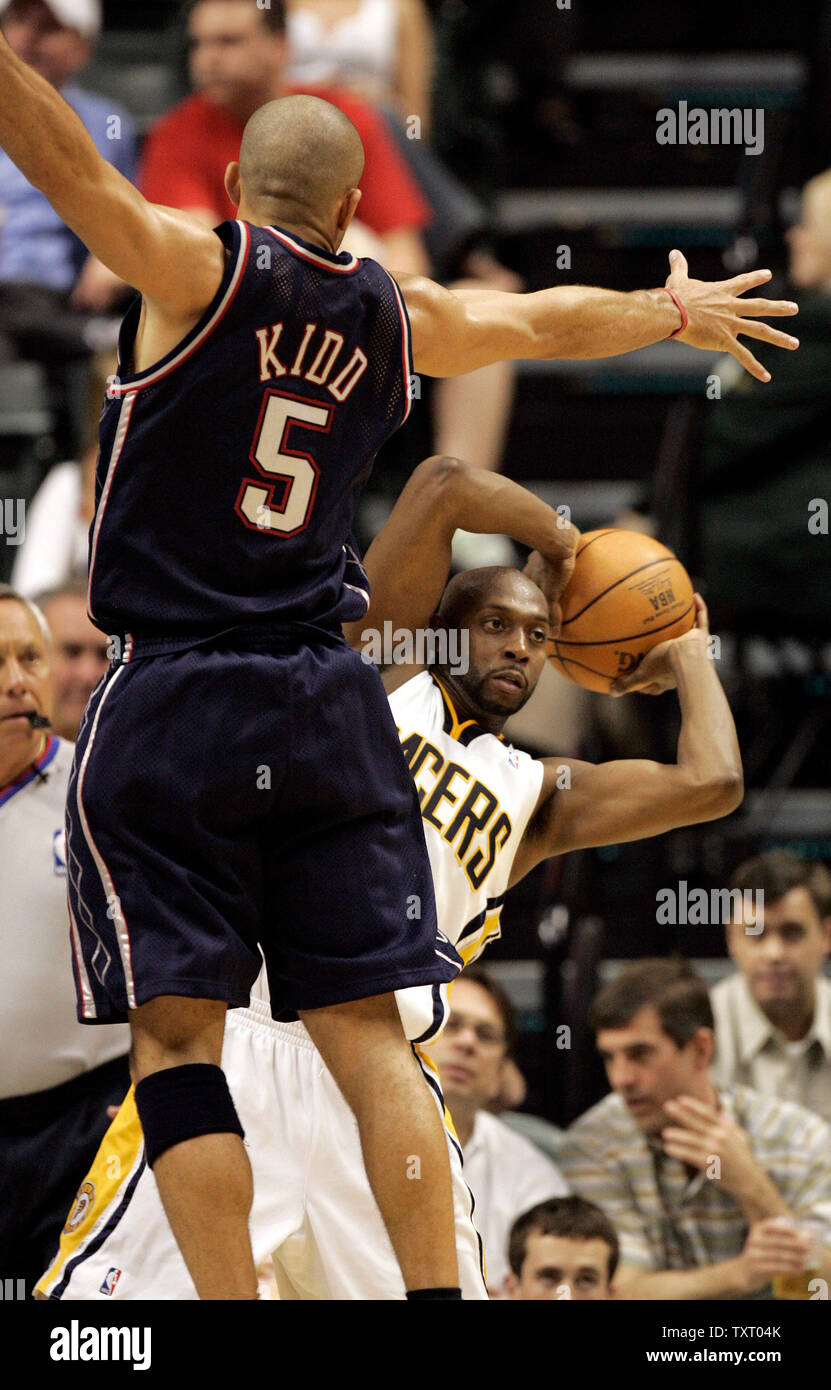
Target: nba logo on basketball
108, 1286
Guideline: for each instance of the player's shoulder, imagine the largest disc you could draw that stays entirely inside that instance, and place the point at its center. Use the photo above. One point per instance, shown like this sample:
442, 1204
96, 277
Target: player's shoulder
419, 693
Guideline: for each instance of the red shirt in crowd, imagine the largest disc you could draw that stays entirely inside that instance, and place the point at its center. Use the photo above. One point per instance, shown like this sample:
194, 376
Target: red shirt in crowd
188, 150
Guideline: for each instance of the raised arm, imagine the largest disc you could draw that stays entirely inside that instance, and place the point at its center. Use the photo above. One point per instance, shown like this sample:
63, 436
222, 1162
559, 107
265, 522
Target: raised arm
456, 332
408, 563
582, 804
170, 258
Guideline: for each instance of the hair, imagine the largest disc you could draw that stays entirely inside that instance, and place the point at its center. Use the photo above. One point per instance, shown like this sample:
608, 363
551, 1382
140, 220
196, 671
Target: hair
272, 11
570, 1217
671, 987
476, 975
9, 594
777, 872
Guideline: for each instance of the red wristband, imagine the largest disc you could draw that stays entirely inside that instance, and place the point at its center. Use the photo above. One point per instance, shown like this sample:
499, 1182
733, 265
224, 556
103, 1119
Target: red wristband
682, 311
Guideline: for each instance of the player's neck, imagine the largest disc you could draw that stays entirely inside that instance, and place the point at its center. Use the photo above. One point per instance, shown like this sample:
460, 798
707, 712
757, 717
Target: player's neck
466, 709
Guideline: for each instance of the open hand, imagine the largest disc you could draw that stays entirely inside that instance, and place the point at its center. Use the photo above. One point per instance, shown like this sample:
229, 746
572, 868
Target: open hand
717, 315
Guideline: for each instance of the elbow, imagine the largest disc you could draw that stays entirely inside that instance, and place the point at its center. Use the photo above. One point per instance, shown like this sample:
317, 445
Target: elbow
443, 481
720, 795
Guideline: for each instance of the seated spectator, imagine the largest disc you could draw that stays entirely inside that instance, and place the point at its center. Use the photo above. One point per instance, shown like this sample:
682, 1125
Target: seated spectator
504, 1171
706, 1189
766, 455
78, 654
773, 1015
381, 49
562, 1249
57, 1077
57, 38
237, 62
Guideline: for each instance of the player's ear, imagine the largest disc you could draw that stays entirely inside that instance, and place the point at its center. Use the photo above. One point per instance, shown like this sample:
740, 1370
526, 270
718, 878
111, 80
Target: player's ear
510, 1286
347, 210
233, 187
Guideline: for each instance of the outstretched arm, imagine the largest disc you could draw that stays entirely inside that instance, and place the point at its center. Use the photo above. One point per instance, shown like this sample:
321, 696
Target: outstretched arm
165, 254
582, 805
457, 332
408, 563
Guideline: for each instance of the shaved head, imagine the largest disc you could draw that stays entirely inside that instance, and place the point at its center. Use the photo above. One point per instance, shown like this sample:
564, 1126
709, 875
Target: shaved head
300, 158
473, 588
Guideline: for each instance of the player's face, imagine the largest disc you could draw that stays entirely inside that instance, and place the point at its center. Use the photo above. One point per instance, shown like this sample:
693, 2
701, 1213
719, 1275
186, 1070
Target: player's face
36, 36
646, 1068
24, 683
233, 57
562, 1268
781, 962
471, 1050
809, 244
507, 637
79, 660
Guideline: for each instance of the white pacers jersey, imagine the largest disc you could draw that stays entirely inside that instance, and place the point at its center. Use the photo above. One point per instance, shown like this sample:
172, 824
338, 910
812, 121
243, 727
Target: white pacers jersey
42, 1044
477, 795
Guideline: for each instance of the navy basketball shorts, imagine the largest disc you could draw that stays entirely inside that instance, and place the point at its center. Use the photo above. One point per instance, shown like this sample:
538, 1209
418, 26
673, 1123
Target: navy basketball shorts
225, 800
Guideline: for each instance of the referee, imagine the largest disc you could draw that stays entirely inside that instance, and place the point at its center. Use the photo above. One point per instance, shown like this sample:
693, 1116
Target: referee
56, 1077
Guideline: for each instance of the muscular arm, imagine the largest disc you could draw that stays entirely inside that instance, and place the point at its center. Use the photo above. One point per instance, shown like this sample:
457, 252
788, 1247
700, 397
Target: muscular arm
408, 563
459, 331
164, 254
630, 799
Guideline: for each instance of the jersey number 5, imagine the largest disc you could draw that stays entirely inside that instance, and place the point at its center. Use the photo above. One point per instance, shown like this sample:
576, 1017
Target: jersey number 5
294, 468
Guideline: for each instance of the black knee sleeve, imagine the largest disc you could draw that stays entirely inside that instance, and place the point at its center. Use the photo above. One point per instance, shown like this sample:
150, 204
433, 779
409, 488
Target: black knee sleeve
182, 1103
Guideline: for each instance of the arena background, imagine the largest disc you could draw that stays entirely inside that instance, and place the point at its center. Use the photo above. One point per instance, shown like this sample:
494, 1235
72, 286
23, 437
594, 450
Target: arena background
549, 113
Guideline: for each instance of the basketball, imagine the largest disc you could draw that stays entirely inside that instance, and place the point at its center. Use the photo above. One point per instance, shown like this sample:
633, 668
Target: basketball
627, 593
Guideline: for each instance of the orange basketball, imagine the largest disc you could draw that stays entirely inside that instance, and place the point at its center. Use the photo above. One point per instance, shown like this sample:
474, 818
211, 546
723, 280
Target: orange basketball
627, 594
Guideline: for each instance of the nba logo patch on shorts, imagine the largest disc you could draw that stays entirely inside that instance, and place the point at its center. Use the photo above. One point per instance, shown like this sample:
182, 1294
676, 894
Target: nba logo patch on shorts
59, 853
108, 1286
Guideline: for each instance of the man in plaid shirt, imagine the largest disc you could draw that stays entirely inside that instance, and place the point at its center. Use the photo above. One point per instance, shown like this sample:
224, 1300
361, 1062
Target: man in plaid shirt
713, 1193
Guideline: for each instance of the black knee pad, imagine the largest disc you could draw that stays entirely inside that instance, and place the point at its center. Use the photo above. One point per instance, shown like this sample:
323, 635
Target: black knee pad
182, 1103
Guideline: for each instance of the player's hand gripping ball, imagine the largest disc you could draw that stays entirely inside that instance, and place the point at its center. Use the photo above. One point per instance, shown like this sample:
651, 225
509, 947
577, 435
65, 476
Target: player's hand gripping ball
628, 593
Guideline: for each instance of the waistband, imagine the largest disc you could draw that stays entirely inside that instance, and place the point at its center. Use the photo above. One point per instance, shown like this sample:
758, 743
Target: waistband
244, 637
256, 1017
35, 1110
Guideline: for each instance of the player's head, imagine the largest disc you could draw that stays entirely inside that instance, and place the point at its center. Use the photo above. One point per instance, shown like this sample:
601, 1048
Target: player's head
780, 931
300, 164
654, 1029
236, 51
78, 654
55, 37
478, 1037
809, 240
25, 682
565, 1248
505, 617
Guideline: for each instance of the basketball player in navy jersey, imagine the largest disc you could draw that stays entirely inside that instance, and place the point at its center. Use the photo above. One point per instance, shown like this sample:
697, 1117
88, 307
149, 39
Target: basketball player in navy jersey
238, 782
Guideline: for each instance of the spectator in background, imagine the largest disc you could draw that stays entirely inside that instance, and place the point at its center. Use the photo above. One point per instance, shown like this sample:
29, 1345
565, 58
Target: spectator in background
58, 37
237, 59
55, 546
78, 654
57, 1078
766, 454
504, 1171
562, 1249
773, 1015
709, 1192
381, 49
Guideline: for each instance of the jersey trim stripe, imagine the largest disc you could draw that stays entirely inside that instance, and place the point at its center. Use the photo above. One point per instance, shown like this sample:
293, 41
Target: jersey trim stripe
464, 731
406, 349
189, 344
122, 934
321, 260
12, 788
124, 418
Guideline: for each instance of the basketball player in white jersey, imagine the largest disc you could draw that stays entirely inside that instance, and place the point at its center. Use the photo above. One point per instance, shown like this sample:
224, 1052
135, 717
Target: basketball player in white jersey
490, 814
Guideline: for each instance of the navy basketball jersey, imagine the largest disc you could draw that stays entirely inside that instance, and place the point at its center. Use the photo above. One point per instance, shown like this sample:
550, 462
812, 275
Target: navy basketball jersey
229, 472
